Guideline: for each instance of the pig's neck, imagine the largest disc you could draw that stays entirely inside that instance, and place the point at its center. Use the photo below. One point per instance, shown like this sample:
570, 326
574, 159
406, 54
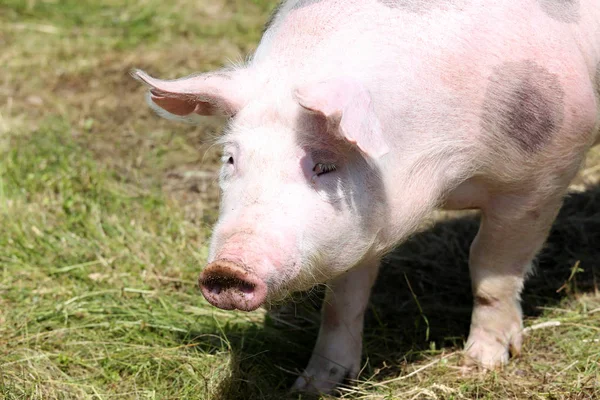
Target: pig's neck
414, 192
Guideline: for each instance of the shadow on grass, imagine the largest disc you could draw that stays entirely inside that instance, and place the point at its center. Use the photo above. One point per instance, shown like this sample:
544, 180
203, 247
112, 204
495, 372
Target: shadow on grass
434, 262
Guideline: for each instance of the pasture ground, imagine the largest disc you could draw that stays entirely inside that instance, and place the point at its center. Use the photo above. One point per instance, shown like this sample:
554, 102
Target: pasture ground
105, 212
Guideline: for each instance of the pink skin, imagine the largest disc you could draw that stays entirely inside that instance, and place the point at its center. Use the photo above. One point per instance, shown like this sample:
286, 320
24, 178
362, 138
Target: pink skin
354, 120
278, 231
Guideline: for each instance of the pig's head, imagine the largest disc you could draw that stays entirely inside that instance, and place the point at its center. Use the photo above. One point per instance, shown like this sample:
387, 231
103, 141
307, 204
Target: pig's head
302, 199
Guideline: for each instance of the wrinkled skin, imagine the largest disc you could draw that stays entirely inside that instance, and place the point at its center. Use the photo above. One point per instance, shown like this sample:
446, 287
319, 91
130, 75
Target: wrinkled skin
354, 120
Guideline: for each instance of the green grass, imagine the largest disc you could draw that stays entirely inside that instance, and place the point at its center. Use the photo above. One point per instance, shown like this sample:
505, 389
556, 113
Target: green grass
87, 261
105, 213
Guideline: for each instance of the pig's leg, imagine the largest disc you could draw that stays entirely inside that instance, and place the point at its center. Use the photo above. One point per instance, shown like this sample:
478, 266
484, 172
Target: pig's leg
339, 345
513, 229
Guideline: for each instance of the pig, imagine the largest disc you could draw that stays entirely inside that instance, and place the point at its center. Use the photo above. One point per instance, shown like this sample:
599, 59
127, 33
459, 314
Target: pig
355, 119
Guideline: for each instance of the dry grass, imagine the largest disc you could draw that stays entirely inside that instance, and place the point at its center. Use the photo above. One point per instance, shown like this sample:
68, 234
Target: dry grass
105, 211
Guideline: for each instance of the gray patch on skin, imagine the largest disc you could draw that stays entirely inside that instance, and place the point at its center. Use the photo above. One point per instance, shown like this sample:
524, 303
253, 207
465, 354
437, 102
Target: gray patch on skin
524, 102
562, 10
421, 6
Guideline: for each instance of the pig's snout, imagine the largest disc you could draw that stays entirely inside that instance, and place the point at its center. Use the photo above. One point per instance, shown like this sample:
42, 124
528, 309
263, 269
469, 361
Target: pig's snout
229, 286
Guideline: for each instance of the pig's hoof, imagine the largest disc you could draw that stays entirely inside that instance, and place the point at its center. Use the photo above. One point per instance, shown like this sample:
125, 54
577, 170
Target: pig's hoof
491, 350
323, 378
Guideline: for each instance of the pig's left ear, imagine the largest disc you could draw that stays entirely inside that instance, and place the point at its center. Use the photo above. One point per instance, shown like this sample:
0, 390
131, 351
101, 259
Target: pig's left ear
347, 106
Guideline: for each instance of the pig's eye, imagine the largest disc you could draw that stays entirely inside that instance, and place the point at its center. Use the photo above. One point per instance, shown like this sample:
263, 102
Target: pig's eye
323, 168
230, 160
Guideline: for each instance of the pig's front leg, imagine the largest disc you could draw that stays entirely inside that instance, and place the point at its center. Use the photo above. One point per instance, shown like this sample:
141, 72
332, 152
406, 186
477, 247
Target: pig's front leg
337, 353
513, 228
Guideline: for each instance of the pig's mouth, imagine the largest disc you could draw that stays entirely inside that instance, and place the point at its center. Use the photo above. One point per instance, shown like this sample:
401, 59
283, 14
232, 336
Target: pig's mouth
228, 285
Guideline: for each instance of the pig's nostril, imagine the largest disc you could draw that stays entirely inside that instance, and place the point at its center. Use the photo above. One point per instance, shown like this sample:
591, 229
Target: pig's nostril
217, 284
246, 287
213, 287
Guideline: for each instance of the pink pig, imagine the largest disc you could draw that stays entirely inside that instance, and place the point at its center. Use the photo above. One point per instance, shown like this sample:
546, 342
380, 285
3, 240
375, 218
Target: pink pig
355, 119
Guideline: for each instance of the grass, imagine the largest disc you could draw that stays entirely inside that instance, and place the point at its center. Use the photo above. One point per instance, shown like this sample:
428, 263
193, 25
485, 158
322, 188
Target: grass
105, 212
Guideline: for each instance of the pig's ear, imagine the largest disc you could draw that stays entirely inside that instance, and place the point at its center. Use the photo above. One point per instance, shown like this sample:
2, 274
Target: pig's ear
347, 106
204, 94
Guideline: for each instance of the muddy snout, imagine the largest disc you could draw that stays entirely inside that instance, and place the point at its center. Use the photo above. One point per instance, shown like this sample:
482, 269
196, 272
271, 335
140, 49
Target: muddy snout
229, 286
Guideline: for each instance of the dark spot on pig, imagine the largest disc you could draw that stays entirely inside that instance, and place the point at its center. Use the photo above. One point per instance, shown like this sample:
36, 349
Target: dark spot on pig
333, 371
562, 10
422, 6
524, 102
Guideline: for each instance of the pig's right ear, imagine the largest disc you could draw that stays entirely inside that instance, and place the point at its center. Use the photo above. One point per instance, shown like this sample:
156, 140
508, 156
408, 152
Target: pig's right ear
204, 94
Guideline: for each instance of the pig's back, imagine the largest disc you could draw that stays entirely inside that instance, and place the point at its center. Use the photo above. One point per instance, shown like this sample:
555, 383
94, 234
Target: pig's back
339, 36
426, 60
